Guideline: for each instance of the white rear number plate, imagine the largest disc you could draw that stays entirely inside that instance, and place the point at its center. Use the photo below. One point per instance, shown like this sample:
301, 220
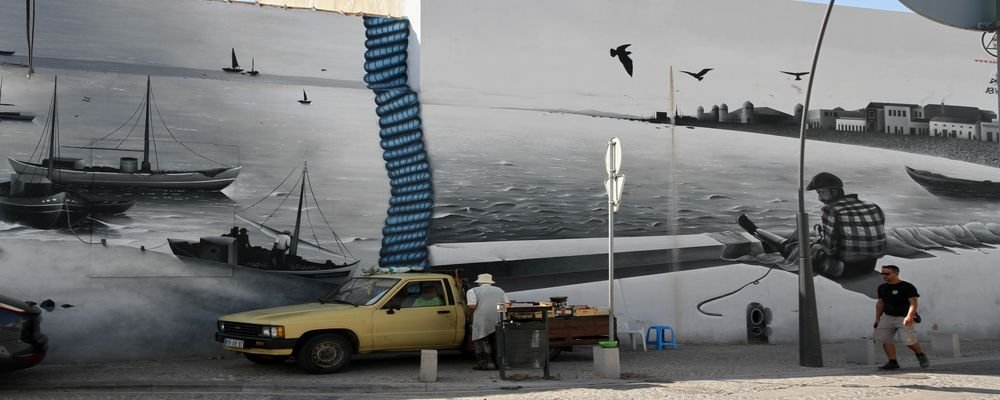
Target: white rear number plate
232, 342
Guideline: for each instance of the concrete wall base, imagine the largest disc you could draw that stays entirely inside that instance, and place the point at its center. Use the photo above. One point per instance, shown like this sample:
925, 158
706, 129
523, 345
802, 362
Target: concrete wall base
860, 351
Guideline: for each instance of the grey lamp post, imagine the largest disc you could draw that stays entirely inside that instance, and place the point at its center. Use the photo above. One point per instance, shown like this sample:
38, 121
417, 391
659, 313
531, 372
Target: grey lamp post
810, 348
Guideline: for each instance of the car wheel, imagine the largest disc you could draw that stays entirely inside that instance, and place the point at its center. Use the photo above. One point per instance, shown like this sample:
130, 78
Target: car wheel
265, 359
325, 354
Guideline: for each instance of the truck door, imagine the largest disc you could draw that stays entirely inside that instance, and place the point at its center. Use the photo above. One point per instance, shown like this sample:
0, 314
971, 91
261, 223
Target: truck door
417, 316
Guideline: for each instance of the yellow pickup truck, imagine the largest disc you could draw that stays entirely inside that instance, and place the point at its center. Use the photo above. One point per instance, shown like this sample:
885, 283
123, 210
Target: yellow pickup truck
395, 312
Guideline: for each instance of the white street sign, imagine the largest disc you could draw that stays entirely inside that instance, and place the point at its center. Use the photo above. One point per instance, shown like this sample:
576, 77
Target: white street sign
613, 158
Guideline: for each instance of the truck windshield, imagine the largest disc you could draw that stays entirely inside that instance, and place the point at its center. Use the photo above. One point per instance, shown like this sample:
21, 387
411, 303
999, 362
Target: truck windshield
361, 291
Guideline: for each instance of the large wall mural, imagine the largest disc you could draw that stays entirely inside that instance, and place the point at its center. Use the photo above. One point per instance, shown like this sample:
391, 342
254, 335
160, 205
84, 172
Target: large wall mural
499, 166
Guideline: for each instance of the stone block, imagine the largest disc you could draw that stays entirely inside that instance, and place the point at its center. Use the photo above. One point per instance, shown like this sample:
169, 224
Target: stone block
860, 351
607, 363
428, 365
945, 345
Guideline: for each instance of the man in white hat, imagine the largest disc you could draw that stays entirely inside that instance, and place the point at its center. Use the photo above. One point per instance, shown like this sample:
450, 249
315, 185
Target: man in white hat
482, 303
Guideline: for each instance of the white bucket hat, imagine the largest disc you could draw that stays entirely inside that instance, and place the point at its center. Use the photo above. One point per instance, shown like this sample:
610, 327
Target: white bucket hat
485, 278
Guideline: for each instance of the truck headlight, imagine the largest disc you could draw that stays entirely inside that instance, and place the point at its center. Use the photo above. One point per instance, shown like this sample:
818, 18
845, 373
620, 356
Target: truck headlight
277, 332
222, 326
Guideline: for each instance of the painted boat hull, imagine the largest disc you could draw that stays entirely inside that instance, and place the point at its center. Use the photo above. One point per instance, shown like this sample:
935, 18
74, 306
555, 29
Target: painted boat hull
942, 185
259, 258
45, 212
206, 180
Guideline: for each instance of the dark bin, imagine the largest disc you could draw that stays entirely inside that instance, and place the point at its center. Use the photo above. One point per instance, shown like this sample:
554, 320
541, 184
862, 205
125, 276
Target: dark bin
523, 344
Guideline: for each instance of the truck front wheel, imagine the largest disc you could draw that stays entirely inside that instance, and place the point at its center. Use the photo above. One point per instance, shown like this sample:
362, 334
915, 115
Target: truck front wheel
325, 354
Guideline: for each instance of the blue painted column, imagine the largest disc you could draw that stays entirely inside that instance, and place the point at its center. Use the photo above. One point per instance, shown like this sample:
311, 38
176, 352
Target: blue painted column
404, 236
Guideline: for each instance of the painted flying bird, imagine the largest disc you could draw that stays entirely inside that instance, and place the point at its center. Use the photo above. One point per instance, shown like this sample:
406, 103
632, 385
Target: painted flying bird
797, 75
700, 75
622, 55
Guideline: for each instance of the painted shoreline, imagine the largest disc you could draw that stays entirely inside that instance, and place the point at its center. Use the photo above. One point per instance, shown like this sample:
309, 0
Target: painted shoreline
973, 151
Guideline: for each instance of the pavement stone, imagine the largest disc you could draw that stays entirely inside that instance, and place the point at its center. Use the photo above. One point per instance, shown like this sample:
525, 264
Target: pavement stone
693, 371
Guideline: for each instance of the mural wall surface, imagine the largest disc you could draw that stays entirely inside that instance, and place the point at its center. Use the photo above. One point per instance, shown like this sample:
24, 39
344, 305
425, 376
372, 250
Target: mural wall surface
517, 100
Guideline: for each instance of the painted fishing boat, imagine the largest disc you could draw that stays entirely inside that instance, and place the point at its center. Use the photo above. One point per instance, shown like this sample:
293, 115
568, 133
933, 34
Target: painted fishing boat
32, 200
220, 249
942, 185
130, 175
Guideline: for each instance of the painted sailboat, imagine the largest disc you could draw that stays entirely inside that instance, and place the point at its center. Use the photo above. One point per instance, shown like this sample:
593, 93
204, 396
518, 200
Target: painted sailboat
304, 99
33, 200
234, 64
260, 257
253, 69
130, 174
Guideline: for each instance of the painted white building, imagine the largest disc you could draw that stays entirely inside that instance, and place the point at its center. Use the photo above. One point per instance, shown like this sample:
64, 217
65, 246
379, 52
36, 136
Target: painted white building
899, 117
989, 132
851, 124
956, 128
823, 118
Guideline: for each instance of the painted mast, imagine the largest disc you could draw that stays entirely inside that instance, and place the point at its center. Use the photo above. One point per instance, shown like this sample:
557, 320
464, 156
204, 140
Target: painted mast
293, 246
145, 148
52, 131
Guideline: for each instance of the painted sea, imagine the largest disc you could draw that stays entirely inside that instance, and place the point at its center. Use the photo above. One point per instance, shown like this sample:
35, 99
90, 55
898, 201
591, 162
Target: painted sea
499, 174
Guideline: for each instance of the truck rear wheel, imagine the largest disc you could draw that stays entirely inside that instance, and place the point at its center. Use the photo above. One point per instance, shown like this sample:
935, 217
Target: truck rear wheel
265, 359
325, 354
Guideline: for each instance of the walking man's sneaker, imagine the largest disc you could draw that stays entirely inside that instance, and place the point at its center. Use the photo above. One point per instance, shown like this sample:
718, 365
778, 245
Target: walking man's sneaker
924, 362
891, 365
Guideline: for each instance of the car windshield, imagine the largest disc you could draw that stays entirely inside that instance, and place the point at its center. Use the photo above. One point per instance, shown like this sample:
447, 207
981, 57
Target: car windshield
361, 291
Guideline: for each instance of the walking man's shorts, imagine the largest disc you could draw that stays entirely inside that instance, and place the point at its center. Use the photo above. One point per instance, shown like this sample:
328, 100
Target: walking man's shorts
888, 325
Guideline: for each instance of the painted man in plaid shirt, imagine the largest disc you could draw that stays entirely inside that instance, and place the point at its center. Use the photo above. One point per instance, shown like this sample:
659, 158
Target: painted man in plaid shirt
851, 235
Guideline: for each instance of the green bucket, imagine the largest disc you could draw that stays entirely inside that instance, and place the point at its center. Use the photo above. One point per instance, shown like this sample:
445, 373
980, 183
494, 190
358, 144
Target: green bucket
608, 344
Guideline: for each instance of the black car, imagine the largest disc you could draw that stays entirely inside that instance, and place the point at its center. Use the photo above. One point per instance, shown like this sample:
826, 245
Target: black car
22, 343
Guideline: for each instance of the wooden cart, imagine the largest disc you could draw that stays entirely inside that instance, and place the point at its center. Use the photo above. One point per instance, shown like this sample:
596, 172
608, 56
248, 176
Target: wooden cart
568, 331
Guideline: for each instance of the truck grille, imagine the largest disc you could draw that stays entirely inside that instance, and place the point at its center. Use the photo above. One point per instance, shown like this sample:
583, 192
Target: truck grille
236, 328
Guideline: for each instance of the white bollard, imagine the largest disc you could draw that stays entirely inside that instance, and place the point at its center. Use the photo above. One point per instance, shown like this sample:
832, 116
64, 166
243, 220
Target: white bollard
607, 365
428, 365
945, 345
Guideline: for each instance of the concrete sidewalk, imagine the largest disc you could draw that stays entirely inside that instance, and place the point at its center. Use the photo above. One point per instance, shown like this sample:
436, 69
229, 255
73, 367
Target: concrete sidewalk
397, 373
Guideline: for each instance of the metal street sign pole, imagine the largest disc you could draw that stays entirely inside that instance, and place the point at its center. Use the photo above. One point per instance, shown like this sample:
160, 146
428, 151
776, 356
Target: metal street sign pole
614, 184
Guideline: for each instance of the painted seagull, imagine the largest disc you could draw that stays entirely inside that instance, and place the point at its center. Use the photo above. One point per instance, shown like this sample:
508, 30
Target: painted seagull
797, 75
700, 75
622, 55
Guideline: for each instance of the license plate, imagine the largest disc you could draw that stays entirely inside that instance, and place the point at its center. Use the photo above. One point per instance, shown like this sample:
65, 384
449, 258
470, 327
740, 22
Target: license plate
232, 342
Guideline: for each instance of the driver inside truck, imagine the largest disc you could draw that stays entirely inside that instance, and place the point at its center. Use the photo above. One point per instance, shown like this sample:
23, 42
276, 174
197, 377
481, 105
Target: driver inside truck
429, 296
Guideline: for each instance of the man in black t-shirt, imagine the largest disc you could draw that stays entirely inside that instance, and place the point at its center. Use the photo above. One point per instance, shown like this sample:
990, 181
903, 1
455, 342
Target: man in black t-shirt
896, 310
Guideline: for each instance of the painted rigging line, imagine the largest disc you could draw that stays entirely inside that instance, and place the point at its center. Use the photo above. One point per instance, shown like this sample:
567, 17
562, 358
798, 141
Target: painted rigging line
404, 235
